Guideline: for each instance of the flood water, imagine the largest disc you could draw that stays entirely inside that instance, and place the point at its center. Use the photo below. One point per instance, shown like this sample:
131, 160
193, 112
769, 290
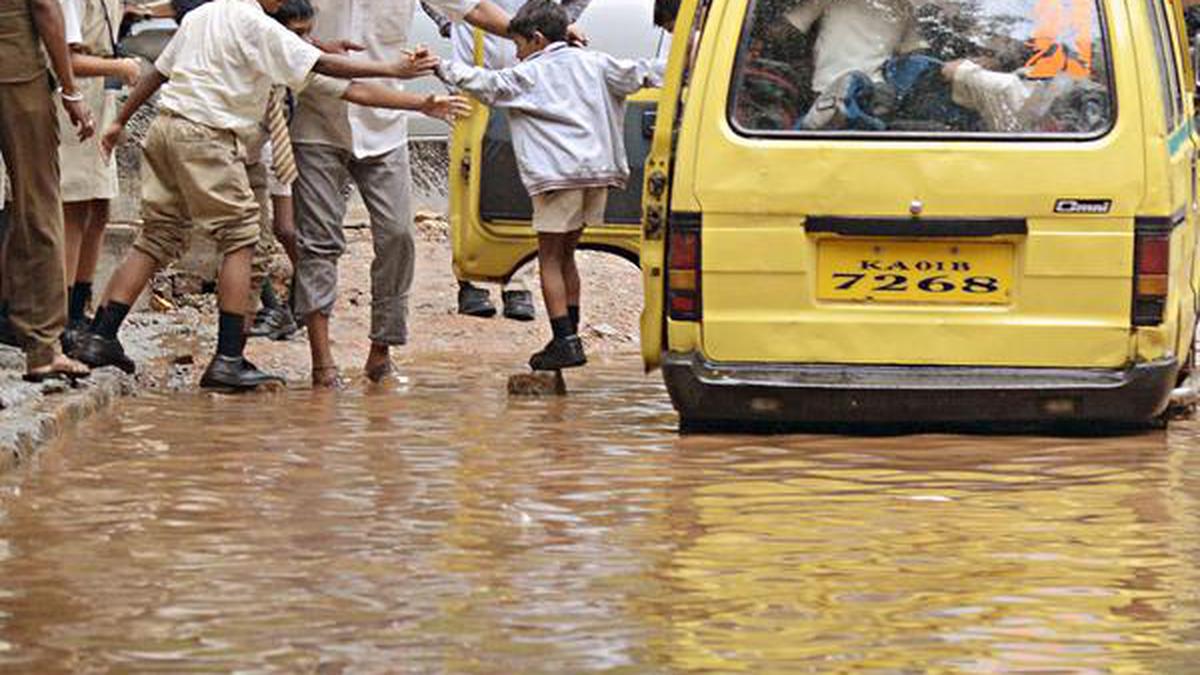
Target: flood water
443, 527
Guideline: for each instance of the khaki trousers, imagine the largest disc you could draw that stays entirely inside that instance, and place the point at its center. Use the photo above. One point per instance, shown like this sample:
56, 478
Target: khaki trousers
194, 176
31, 272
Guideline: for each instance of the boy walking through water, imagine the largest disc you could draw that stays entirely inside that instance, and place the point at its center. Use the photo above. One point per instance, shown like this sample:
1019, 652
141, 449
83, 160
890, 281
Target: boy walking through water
567, 109
216, 74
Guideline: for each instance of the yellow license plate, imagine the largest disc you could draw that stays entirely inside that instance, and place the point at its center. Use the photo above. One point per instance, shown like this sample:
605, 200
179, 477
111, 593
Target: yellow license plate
858, 270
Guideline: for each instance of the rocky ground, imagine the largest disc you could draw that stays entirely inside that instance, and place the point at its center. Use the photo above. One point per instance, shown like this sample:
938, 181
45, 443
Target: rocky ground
612, 304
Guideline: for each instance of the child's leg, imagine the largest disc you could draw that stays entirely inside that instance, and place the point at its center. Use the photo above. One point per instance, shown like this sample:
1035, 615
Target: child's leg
571, 277
551, 249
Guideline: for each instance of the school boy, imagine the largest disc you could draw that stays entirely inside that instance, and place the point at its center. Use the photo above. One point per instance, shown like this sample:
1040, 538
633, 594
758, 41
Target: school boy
474, 300
566, 109
216, 75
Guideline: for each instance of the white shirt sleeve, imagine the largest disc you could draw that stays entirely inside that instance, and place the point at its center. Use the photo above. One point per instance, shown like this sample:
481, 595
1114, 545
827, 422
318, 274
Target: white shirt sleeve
165, 62
625, 76
454, 9
998, 97
502, 88
72, 20
277, 51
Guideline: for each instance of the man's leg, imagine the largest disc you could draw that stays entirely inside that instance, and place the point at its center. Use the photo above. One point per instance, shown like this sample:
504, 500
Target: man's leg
550, 264
34, 277
556, 217
320, 209
385, 184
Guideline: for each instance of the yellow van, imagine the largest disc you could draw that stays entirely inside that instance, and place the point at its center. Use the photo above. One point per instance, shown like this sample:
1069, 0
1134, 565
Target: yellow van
899, 210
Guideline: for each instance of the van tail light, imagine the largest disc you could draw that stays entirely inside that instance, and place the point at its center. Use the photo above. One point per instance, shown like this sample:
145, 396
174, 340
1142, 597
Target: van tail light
683, 267
1151, 269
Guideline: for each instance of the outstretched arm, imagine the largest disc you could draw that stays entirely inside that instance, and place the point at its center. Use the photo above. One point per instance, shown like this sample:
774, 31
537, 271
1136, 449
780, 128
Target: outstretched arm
415, 64
146, 87
446, 108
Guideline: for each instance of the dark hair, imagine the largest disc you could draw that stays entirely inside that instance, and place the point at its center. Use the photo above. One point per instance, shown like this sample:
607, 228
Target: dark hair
540, 16
294, 10
183, 7
665, 12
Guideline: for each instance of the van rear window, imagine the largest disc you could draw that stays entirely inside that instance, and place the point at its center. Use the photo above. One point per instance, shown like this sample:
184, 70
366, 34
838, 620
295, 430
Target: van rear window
886, 67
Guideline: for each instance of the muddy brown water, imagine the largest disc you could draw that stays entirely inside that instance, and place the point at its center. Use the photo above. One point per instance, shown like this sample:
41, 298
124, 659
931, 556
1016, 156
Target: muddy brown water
442, 527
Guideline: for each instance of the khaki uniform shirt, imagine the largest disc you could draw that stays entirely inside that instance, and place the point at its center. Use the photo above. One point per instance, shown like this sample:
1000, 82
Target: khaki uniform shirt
21, 57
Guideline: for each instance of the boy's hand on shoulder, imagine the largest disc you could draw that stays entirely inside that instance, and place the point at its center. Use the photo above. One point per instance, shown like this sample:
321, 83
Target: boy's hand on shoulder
111, 138
576, 37
416, 63
446, 108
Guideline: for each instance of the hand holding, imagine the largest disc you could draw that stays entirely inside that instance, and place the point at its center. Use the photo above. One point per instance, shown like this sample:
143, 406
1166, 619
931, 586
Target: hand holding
416, 63
576, 37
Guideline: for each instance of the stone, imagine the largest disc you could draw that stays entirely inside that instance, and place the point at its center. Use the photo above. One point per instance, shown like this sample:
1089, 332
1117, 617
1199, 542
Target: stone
537, 383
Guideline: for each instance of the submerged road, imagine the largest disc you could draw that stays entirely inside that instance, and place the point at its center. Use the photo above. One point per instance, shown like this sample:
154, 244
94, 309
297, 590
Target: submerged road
442, 527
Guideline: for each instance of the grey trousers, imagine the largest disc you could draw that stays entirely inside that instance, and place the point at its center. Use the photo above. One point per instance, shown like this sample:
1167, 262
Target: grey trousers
386, 188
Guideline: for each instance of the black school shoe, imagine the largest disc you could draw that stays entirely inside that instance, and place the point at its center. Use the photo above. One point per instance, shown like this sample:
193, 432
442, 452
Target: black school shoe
97, 351
475, 301
73, 334
274, 323
518, 305
234, 372
559, 353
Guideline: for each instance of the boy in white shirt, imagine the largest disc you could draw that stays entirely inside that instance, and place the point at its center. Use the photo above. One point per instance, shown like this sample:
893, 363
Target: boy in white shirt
216, 75
567, 111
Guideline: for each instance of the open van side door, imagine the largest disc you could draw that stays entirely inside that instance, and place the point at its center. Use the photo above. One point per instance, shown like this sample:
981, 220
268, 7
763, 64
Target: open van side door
490, 210
656, 196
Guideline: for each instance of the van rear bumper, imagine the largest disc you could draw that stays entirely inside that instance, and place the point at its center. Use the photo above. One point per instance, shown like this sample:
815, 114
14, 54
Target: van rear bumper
704, 391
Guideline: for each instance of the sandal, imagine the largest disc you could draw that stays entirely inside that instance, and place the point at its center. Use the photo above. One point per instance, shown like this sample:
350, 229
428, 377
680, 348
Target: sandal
61, 368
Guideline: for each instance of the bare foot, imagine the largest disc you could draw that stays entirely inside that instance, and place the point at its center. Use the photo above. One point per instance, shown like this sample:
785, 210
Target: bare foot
379, 363
61, 368
326, 377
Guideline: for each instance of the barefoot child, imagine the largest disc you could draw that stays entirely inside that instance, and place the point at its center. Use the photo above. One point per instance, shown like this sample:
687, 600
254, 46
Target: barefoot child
567, 110
216, 74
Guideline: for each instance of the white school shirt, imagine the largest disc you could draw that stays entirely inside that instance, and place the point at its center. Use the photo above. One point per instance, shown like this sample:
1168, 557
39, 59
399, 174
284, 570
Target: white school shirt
382, 27
223, 61
856, 35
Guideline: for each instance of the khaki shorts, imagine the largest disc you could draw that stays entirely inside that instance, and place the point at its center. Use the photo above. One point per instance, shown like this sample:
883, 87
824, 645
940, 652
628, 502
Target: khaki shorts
564, 211
195, 175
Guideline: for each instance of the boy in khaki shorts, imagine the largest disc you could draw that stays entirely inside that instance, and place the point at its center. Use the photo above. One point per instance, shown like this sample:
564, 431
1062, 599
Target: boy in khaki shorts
216, 75
566, 109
